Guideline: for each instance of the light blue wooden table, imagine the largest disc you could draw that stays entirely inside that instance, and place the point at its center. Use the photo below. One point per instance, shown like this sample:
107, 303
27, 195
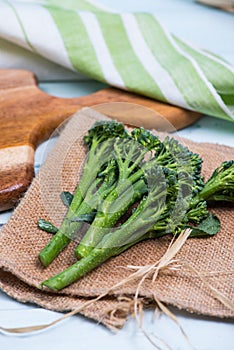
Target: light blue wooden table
207, 28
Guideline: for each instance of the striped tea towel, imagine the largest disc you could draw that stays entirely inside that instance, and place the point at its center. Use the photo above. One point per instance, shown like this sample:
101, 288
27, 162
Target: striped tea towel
131, 51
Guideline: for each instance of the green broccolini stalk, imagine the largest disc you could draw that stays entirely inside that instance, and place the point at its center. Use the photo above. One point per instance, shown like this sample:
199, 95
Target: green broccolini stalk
69, 227
129, 155
220, 186
99, 141
105, 220
141, 220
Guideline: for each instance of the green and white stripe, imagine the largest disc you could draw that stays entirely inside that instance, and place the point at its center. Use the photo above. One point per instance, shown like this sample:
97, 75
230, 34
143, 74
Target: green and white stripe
110, 72
132, 51
147, 59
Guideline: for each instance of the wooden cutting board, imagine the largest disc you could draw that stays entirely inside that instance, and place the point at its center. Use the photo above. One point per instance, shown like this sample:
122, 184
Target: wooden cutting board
28, 116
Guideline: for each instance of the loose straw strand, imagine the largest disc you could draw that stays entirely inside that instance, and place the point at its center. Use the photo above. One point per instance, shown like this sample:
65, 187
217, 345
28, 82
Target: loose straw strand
173, 317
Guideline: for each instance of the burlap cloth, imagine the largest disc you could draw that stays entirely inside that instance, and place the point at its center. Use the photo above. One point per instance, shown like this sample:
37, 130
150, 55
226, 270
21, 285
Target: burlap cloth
21, 241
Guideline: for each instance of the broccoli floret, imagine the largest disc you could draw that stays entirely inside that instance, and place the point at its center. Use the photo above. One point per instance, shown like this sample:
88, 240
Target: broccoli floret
146, 139
220, 186
102, 131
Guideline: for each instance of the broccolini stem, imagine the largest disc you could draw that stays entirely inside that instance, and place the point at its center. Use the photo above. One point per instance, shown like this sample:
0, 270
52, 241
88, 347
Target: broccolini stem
91, 170
60, 240
220, 186
105, 220
78, 270
221, 197
96, 257
69, 228
139, 223
209, 191
87, 179
87, 264
112, 244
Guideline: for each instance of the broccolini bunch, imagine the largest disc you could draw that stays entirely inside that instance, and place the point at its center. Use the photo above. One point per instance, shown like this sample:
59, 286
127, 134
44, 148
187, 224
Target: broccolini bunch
134, 187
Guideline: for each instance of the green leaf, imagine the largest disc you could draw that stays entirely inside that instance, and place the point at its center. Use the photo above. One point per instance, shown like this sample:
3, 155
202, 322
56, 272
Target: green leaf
66, 198
85, 217
46, 226
208, 227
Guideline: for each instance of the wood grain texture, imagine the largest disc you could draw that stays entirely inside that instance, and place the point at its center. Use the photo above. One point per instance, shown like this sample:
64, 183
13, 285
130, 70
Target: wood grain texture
226, 5
28, 116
